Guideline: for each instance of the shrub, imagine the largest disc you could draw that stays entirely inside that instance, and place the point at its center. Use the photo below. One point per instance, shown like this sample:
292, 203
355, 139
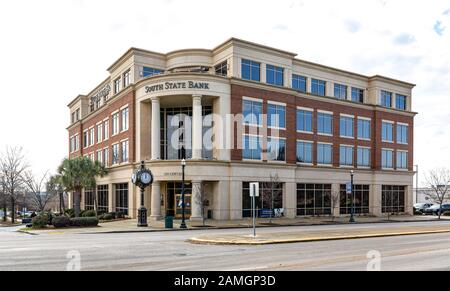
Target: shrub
106, 216
113, 214
89, 213
446, 213
70, 213
40, 221
84, 221
417, 212
120, 215
61, 221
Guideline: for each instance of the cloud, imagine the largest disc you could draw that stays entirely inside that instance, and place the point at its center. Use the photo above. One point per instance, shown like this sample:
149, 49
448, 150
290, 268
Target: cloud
404, 39
447, 12
281, 27
439, 28
352, 26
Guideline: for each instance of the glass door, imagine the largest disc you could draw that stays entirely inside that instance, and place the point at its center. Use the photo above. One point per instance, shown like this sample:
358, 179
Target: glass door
178, 206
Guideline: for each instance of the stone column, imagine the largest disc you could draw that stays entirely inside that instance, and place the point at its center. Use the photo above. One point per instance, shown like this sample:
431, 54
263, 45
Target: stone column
156, 129
236, 200
336, 190
196, 202
197, 127
290, 200
111, 200
156, 201
375, 200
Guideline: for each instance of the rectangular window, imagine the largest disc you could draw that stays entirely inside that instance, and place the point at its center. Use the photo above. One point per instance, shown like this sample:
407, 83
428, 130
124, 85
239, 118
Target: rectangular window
346, 155
99, 133
125, 120
276, 116
324, 154
115, 152
318, 87
89, 199
314, 199
103, 198
115, 123
402, 160
325, 123
299, 83
85, 139
92, 136
126, 78
106, 157
387, 132
386, 99
222, 69
100, 156
304, 120
400, 102
304, 152
340, 91
106, 129
360, 200
276, 149
364, 130
402, 133
122, 198
393, 199
252, 148
116, 85
148, 72
346, 126
387, 159
363, 157
251, 70
252, 111
357, 95
125, 151
274, 75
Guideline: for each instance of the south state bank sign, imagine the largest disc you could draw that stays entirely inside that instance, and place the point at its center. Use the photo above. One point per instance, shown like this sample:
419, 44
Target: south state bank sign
168, 86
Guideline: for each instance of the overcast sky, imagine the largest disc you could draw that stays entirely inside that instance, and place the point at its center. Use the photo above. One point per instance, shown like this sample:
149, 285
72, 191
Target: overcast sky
53, 50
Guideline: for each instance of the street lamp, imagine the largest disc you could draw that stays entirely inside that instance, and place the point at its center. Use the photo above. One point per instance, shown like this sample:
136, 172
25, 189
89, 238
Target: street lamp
352, 218
142, 178
183, 205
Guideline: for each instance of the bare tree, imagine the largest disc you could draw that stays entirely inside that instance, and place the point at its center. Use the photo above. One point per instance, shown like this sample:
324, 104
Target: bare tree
12, 167
271, 192
3, 196
438, 181
55, 186
36, 187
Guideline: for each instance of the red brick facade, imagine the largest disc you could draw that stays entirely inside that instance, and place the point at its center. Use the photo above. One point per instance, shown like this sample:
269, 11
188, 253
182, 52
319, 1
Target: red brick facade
105, 113
377, 115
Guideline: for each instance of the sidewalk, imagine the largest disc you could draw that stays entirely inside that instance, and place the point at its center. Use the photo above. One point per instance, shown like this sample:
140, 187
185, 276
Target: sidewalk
318, 235
130, 226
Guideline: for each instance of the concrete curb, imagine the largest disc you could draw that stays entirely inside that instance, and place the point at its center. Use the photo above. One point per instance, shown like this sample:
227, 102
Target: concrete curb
309, 239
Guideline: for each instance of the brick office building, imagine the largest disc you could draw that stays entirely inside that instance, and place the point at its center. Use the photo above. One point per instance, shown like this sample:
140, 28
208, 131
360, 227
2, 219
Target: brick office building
241, 113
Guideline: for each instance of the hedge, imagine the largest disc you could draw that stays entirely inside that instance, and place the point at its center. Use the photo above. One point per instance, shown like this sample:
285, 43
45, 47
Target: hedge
89, 213
84, 221
61, 221
40, 221
106, 216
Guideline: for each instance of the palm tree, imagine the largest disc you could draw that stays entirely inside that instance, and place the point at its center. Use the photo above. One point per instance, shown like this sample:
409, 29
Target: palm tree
54, 185
79, 173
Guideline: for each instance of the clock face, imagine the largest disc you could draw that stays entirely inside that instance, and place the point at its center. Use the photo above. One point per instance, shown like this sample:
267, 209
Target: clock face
146, 178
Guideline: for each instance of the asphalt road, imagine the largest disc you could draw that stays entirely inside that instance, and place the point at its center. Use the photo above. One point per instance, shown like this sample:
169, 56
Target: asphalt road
170, 251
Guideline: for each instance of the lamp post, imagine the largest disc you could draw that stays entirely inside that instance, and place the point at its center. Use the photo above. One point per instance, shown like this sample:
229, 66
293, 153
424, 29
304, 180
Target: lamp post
352, 218
142, 178
183, 205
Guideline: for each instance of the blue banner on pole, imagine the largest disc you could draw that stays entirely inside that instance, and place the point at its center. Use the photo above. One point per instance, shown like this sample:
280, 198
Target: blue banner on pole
348, 188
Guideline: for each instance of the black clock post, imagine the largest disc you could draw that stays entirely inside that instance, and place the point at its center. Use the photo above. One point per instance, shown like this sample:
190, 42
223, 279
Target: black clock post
142, 178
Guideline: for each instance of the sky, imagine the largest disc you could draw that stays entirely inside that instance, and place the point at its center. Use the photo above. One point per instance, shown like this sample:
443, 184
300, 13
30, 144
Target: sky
53, 50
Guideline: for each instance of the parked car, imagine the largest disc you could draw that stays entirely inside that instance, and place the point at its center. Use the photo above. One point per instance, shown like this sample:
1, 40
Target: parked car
435, 209
422, 206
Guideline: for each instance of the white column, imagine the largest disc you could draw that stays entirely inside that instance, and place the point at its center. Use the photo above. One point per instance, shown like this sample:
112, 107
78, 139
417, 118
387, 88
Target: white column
156, 129
290, 200
197, 202
197, 127
111, 198
156, 201
336, 200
